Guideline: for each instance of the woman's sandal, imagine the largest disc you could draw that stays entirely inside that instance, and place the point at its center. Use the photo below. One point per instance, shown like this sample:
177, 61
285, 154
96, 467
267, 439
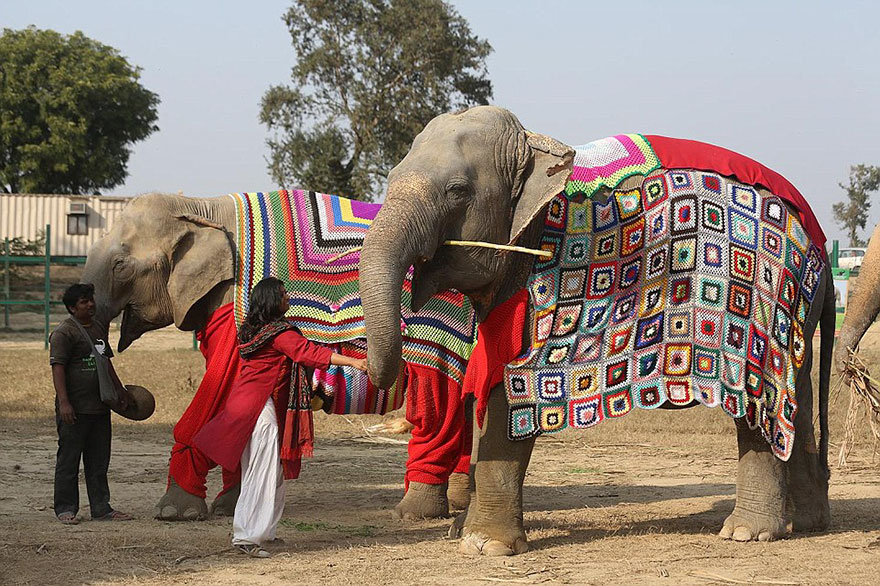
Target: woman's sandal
253, 550
68, 518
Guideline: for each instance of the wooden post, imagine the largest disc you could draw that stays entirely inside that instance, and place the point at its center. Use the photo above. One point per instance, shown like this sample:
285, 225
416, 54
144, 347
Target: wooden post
6, 282
47, 300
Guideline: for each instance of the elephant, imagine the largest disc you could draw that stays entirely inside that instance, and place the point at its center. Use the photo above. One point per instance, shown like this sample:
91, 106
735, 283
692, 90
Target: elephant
169, 259
863, 305
479, 175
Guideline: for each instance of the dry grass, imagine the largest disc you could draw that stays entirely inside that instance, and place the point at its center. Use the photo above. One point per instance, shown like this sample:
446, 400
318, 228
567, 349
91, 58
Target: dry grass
636, 500
864, 403
165, 363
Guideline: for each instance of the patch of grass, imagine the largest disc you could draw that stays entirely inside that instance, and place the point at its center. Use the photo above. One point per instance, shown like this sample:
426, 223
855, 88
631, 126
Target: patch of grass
300, 526
351, 531
360, 531
587, 470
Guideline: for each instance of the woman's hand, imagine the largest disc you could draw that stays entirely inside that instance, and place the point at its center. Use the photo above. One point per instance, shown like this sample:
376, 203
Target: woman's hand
342, 360
359, 363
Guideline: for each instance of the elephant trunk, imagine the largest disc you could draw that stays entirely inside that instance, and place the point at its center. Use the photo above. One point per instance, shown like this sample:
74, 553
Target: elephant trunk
864, 305
96, 271
403, 234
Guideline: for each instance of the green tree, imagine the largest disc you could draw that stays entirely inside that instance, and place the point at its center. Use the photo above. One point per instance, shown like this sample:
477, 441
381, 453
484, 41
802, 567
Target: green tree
70, 109
852, 214
369, 75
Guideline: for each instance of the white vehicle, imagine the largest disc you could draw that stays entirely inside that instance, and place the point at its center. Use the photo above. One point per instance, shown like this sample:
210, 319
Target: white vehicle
850, 258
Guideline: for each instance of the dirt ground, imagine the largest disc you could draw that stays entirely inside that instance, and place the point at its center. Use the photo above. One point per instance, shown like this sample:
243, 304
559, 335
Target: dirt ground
637, 501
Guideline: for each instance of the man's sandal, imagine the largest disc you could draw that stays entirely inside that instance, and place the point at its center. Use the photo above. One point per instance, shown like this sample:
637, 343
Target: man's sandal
253, 550
114, 516
68, 518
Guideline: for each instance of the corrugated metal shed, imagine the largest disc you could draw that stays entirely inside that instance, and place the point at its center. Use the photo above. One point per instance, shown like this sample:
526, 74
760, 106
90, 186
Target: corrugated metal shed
77, 221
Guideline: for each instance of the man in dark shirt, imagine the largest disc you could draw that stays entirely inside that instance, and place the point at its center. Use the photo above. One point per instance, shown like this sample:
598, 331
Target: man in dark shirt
83, 420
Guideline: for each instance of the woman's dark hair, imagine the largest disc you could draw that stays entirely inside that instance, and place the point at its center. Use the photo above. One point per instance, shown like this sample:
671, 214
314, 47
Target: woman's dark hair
76, 292
265, 307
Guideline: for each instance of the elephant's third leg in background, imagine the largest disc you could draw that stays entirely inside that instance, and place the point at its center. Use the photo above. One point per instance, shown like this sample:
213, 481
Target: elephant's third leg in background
807, 505
494, 522
759, 513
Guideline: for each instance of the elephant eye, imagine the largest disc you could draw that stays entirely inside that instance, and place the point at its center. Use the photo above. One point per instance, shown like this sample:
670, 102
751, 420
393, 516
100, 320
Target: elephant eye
122, 268
458, 188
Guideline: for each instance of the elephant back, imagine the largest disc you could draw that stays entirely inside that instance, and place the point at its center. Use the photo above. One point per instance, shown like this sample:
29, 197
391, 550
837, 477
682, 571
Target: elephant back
681, 273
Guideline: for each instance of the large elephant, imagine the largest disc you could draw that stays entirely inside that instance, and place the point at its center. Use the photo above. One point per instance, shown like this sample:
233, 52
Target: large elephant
478, 175
863, 305
169, 259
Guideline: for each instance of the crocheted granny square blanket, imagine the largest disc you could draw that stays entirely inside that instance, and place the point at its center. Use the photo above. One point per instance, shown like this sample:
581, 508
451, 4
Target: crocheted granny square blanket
685, 286
291, 235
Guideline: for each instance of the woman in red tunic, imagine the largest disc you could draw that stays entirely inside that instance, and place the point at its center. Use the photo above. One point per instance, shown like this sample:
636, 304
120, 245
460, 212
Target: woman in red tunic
246, 431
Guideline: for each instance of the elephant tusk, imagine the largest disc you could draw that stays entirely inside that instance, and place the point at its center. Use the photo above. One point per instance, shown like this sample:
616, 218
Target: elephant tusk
499, 247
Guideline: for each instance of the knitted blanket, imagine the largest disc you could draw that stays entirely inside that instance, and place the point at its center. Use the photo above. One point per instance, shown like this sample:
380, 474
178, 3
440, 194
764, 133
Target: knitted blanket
291, 235
679, 285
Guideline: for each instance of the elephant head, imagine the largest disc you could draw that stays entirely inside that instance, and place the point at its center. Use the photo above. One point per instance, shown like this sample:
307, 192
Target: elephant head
863, 305
167, 259
473, 175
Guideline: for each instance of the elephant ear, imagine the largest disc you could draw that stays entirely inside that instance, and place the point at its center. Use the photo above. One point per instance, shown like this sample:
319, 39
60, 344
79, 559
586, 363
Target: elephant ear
201, 259
546, 170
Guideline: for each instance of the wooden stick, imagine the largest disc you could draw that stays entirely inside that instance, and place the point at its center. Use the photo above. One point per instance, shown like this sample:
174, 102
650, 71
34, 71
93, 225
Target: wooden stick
500, 247
504, 247
336, 257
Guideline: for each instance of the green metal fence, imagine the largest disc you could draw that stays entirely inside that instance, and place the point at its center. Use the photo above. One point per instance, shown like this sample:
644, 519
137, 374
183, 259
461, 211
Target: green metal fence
47, 261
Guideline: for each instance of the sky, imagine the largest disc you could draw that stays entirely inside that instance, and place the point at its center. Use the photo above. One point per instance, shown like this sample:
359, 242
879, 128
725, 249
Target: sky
793, 84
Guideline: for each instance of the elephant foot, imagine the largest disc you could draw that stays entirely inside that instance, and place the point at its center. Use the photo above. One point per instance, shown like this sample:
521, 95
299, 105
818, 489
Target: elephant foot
747, 526
178, 505
422, 501
459, 491
224, 504
811, 519
457, 527
476, 543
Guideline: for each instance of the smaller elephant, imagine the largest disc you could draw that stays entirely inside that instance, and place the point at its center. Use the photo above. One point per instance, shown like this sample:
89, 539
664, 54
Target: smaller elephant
170, 259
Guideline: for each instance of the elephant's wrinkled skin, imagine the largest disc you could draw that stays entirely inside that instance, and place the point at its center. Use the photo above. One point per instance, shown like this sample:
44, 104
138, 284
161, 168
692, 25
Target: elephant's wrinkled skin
478, 175
169, 260
863, 305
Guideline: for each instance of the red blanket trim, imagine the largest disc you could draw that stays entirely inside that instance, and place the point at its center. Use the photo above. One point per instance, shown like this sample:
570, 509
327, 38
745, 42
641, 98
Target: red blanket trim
499, 341
677, 153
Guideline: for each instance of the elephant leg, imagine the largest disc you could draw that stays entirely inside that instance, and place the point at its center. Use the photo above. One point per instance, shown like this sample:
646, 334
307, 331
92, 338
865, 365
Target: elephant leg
460, 481
436, 410
494, 521
224, 504
457, 528
178, 505
458, 491
759, 514
807, 504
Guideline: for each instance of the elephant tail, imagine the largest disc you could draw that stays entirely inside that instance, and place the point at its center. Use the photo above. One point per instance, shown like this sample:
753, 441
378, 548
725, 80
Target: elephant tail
827, 324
